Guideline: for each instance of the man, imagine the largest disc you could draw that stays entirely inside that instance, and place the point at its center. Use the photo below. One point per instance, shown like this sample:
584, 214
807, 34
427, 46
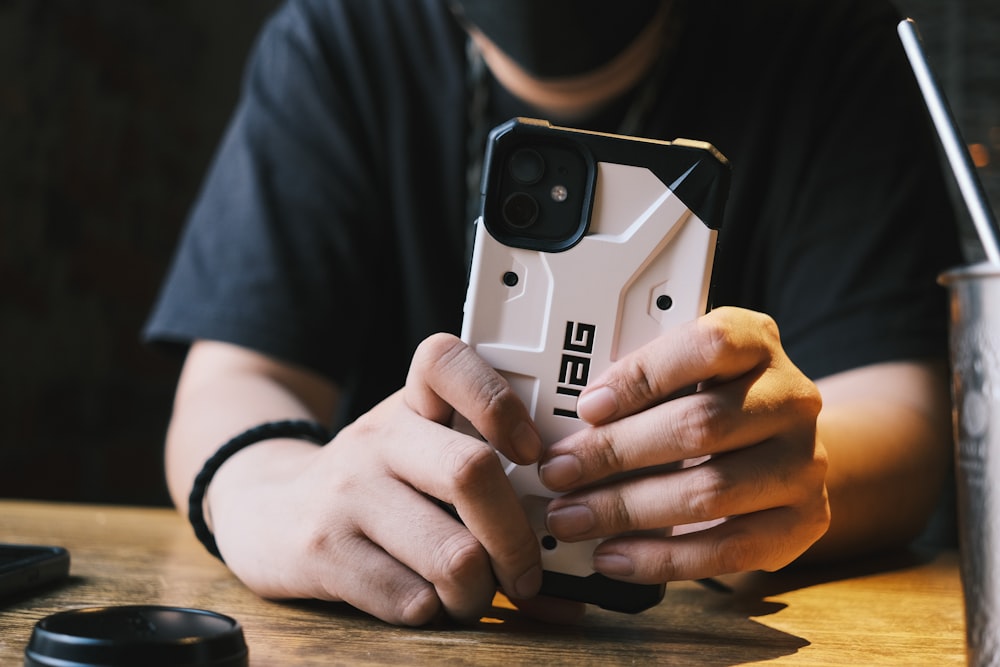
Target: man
327, 254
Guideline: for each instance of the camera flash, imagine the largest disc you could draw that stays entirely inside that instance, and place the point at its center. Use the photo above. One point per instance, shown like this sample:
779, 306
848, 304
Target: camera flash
558, 193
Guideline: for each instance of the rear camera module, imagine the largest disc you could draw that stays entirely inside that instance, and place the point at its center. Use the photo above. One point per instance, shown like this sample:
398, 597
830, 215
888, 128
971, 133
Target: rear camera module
538, 192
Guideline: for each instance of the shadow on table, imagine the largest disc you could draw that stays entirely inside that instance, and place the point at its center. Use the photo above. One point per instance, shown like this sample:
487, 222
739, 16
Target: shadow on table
39, 592
695, 625
765, 584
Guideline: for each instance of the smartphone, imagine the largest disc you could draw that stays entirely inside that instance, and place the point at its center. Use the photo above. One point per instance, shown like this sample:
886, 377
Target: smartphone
588, 246
27, 567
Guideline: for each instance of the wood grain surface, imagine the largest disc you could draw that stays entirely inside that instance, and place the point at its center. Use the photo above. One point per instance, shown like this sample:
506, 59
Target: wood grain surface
903, 609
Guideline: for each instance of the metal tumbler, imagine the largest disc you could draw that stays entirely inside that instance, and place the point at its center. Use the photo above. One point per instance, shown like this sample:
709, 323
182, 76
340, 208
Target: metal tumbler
974, 293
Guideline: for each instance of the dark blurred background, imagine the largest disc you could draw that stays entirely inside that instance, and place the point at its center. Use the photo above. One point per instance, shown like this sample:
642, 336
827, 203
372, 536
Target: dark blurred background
109, 113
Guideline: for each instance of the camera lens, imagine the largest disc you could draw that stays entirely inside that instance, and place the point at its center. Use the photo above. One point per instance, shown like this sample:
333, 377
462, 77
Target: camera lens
520, 210
527, 166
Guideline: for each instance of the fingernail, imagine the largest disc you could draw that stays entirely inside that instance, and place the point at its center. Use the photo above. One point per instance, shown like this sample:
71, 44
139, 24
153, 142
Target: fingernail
598, 405
529, 583
614, 564
561, 471
569, 522
526, 442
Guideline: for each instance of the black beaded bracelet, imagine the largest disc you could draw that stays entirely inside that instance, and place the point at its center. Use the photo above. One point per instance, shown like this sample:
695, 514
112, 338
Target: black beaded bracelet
292, 428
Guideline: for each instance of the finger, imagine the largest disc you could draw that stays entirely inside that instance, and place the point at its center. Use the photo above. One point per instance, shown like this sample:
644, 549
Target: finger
392, 592
419, 534
446, 375
766, 540
773, 474
724, 344
720, 419
467, 474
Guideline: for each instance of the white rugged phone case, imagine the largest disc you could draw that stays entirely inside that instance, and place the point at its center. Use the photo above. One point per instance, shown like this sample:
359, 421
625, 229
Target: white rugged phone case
551, 320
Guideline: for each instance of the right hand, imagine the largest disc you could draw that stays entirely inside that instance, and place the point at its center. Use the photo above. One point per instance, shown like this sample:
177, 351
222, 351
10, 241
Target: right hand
358, 520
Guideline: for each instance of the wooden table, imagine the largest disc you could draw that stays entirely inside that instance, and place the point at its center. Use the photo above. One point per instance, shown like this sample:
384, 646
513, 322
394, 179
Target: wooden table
901, 610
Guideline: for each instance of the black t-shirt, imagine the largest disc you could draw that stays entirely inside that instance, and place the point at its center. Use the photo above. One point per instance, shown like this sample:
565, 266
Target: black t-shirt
332, 228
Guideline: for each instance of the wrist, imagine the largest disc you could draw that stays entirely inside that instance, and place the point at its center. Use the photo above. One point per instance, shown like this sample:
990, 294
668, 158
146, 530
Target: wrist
263, 449
269, 464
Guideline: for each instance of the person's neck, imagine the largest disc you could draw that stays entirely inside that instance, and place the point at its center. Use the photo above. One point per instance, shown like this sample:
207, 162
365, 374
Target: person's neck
573, 97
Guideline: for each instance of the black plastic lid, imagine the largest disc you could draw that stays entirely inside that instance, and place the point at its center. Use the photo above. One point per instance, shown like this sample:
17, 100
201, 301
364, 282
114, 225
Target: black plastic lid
148, 635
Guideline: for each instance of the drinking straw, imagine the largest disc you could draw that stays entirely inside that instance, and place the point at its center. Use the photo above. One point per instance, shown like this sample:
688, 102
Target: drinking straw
958, 155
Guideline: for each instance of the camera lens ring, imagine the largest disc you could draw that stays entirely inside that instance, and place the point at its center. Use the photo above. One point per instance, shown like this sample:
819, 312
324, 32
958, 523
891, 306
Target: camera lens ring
520, 210
526, 166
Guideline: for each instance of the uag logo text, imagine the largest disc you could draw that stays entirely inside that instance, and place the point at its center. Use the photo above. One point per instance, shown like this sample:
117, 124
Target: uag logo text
574, 366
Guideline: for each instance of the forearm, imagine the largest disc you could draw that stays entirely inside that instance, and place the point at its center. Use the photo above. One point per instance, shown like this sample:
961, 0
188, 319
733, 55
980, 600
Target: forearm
888, 436
224, 390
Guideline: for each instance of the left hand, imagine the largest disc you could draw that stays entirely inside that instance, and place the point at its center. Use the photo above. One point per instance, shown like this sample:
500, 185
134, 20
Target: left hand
760, 481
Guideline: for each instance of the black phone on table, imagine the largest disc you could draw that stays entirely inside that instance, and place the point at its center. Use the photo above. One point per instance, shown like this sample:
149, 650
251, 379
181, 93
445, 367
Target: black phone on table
28, 567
